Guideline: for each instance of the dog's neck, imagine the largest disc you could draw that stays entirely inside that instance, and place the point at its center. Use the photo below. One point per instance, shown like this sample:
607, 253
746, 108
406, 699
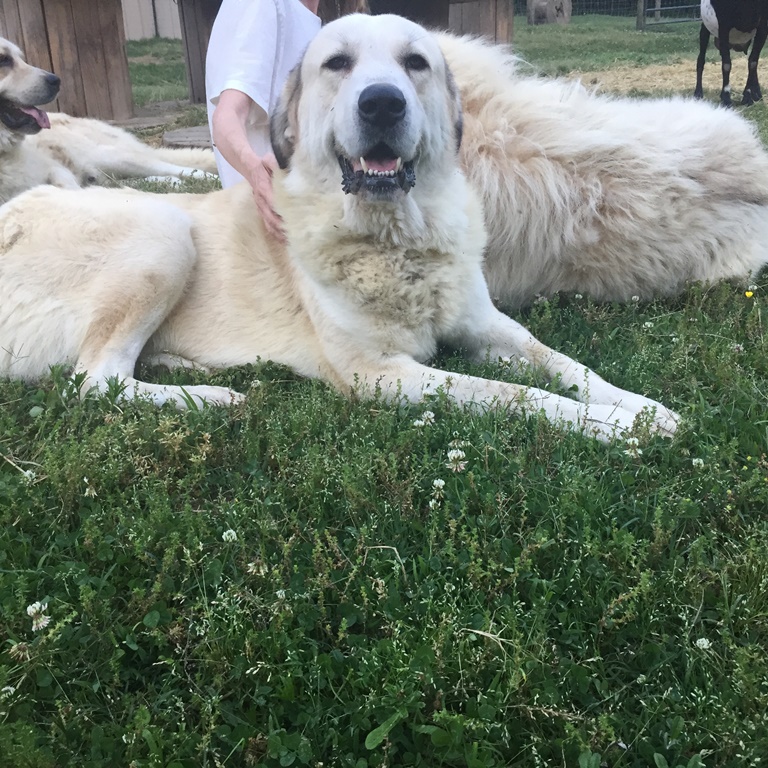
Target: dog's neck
428, 217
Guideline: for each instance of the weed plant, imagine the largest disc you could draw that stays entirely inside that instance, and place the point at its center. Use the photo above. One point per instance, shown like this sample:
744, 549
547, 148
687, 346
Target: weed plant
312, 580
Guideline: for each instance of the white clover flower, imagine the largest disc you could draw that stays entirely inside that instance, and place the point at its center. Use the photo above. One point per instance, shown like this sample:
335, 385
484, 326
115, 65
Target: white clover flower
697, 462
703, 644
419, 423
434, 503
40, 622
29, 475
36, 612
577, 296
647, 324
89, 489
35, 608
229, 536
634, 452
635, 298
428, 417
456, 461
438, 484
751, 287
280, 594
633, 441
256, 569
739, 348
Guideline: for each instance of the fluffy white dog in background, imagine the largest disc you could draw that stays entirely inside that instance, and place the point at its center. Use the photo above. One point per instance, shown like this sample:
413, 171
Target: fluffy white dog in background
607, 196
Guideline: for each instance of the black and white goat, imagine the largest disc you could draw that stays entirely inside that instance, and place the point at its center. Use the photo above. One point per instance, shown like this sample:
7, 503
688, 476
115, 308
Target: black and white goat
734, 24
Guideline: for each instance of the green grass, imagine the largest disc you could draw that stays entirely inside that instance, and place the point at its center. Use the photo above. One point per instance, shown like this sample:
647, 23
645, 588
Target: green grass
157, 70
601, 42
557, 603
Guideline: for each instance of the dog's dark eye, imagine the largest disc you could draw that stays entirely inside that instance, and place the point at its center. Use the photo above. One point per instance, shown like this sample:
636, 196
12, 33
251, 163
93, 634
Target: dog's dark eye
340, 63
5, 60
416, 63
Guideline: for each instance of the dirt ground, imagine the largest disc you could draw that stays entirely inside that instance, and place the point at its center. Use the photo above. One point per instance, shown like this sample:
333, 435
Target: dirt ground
665, 78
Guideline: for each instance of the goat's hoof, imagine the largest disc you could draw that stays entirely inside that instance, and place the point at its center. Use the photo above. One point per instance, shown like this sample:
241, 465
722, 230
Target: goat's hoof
698, 94
751, 96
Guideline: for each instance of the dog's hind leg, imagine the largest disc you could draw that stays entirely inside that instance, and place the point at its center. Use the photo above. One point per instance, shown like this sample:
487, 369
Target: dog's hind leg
133, 303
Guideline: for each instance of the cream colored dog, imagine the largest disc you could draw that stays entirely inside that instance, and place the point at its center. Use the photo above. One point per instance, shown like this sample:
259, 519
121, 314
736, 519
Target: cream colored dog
606, 196
71, 152
384, 260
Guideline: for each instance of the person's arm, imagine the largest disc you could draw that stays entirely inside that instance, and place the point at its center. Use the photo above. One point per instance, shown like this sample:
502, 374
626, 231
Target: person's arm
229, 135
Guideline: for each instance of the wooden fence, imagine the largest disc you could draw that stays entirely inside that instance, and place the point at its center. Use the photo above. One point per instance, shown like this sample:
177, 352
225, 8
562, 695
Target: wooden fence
151, 18
83, 42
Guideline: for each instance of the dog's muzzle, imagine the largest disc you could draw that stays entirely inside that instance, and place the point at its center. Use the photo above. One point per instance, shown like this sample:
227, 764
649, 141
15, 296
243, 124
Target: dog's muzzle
382, 108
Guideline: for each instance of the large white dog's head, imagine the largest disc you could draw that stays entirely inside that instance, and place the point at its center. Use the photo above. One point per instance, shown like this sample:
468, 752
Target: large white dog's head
22, 88
372, 107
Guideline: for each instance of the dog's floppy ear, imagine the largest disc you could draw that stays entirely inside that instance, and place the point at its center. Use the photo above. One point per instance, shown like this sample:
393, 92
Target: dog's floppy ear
456, 111
284, 123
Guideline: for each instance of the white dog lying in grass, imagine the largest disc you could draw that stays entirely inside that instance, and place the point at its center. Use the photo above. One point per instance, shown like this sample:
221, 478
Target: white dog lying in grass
384, 260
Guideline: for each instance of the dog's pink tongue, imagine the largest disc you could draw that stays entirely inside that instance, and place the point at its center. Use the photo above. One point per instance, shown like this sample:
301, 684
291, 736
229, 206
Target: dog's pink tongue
382, 165
40, 117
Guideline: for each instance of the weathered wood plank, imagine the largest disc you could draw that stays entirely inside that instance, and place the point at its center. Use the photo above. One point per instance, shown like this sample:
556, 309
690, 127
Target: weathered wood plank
112, 35
60, 24
90, 54
33, 33
196, 17
505, 20
10, 22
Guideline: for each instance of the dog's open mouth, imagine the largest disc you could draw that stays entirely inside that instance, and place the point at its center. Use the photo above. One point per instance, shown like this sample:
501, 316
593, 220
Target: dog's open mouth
380, 171
22, 119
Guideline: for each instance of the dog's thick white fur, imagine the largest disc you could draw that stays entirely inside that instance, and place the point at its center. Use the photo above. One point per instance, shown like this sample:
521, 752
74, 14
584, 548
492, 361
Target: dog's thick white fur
71, 152
368, 286
606, 196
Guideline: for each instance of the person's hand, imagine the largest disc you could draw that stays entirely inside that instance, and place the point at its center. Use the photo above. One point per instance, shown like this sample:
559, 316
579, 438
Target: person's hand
260, 179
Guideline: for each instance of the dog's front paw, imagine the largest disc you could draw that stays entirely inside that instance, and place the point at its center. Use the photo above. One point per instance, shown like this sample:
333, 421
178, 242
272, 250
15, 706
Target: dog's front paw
664, 422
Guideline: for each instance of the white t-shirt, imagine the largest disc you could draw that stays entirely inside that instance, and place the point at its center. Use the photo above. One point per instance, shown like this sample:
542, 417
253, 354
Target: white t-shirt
254, 45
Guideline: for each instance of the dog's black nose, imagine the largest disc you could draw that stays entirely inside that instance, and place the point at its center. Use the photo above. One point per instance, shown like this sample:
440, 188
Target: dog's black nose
382, 105
53, 80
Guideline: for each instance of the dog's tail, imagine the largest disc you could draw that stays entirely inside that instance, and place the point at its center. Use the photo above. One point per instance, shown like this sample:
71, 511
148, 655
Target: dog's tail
189, 157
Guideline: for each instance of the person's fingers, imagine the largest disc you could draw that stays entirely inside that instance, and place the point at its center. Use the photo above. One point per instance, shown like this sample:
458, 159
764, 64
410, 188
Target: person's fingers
261, 184
272, 221
270, 163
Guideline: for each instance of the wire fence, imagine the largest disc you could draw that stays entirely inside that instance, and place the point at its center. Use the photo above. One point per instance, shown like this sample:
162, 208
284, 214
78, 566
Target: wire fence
647, 12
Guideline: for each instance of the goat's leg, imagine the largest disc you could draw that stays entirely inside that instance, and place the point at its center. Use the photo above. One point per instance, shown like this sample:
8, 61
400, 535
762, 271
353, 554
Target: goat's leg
752, 92
703, 44
725, 56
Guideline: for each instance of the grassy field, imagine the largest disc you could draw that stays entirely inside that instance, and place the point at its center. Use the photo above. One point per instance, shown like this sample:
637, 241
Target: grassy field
303, 581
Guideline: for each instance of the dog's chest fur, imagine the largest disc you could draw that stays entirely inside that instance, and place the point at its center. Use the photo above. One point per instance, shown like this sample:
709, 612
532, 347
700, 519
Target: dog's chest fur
405, 287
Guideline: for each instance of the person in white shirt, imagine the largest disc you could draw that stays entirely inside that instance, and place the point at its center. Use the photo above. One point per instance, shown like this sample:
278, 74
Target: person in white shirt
254, 45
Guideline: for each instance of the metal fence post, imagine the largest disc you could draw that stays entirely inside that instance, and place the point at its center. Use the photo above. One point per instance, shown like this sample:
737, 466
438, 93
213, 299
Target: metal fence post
640, 24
